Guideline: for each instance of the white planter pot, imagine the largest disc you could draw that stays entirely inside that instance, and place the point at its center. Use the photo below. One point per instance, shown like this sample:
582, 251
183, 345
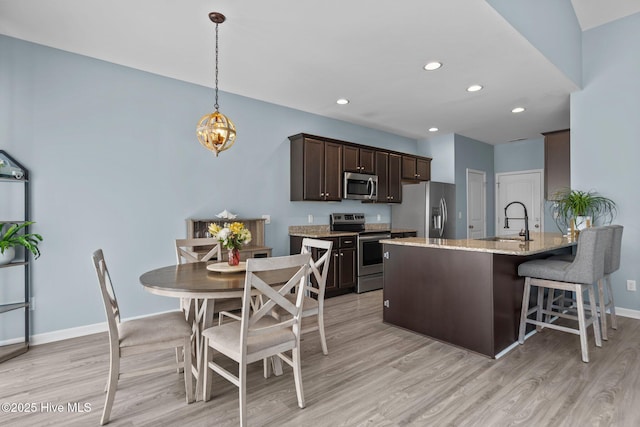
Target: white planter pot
582, 221
8, 256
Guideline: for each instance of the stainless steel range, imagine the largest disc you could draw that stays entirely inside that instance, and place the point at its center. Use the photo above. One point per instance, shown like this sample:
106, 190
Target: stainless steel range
369, 269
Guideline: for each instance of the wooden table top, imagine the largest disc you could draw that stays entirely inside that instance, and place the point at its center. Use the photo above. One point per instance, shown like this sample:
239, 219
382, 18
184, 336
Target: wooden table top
193, 280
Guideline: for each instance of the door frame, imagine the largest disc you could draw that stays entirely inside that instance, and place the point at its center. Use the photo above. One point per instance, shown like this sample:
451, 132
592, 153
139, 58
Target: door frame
484, 198
542, 199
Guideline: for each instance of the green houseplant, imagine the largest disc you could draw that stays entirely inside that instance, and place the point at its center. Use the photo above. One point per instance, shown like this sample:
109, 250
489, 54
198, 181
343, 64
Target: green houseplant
12, 238
581, 205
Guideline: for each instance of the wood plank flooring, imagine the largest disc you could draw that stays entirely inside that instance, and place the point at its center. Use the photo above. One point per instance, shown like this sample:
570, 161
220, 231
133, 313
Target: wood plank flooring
375, 375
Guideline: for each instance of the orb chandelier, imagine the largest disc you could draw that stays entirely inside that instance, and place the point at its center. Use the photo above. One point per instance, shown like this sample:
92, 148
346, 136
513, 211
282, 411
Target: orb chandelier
215, 131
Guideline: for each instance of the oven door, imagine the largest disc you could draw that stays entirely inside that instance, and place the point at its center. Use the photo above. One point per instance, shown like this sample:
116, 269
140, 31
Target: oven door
370, 253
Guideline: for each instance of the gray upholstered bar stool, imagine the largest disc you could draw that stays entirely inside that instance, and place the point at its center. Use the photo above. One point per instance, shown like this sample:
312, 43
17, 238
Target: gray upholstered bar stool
577, 276
611, 265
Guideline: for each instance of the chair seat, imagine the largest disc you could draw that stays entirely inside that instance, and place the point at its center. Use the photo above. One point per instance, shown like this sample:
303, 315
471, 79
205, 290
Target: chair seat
551, 269
310, 307
226, 338
163, 327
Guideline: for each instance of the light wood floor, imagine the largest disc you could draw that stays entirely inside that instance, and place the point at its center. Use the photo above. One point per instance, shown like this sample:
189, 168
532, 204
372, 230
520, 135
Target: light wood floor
375, 375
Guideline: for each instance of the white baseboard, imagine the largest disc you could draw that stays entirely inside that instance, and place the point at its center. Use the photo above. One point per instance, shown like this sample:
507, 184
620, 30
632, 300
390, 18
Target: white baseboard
626, 312
64, 334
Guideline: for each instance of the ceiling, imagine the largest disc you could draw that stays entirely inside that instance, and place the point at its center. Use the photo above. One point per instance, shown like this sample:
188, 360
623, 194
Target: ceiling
306, 55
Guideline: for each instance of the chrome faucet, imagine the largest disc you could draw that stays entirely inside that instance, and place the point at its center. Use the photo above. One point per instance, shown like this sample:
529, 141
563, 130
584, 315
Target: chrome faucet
525, 232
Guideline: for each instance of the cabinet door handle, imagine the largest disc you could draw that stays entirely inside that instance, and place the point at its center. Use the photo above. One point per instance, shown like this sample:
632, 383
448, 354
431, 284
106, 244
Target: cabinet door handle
341, 254
348, 242
471, 226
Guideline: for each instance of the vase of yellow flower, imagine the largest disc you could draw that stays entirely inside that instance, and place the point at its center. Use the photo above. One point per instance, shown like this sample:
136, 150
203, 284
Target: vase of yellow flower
231, 237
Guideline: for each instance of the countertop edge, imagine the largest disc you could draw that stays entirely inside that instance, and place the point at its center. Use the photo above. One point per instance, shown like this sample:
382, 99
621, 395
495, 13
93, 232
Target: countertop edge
501, 248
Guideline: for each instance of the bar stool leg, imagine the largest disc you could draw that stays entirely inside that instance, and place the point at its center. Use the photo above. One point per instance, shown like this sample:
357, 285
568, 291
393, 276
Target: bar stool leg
603, 309
540, 307
525, 309
612, 308
581, 324
594, 316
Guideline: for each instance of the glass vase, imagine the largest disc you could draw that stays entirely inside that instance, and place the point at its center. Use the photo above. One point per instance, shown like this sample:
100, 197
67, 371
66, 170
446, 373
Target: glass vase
234, 257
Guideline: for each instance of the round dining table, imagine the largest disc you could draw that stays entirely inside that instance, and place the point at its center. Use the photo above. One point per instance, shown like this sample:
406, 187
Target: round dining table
199, 288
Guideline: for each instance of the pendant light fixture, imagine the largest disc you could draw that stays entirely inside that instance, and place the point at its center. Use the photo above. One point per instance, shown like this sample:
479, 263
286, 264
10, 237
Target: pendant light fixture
215, 131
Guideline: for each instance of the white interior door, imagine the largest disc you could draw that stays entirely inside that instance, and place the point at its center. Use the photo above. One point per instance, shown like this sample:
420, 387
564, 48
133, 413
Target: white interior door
476, 204
525, 187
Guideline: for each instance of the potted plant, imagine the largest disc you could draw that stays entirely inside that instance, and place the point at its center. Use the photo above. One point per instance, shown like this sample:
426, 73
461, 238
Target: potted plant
12, 238
585, 208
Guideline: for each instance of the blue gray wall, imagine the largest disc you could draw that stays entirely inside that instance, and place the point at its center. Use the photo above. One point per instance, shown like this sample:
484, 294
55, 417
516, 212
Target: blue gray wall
552, 27
116, 165
472, 154
605, 135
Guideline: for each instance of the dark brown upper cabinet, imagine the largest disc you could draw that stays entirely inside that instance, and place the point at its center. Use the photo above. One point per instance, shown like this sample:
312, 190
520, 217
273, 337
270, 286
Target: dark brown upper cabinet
316, 169
388, 167
416, 168
359, 160
557, 162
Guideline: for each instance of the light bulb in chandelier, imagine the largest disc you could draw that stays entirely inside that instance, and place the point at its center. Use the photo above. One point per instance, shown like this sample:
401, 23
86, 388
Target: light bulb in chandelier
215, 131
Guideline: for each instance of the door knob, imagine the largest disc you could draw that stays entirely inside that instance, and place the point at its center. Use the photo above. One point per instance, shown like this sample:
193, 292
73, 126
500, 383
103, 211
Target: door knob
537, 226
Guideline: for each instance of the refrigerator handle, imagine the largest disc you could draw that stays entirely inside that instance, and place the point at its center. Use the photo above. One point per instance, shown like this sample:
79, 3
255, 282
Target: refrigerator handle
443, 207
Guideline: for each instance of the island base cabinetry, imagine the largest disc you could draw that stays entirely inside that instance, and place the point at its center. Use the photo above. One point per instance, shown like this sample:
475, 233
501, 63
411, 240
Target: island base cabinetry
466, 298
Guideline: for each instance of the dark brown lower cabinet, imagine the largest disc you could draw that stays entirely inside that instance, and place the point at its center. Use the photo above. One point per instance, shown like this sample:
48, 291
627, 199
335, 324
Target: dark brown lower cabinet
341, 278
466, 298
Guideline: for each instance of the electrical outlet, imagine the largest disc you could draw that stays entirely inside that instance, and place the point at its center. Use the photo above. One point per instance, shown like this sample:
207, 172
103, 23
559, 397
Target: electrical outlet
310, 219
631, 285
267, 219
32, 303
379, 217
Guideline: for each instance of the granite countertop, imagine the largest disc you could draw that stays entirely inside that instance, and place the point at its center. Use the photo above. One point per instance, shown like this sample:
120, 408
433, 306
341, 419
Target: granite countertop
324, 231
541, 242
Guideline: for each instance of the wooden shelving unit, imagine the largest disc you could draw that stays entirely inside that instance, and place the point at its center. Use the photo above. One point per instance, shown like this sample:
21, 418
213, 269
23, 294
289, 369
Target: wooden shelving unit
9, 351
197, 228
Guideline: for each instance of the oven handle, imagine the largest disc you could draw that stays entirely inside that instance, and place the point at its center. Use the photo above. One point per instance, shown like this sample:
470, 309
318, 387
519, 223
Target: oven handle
373, 237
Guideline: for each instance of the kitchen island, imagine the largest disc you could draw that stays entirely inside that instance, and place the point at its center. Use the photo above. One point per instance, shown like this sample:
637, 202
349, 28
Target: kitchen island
464, 292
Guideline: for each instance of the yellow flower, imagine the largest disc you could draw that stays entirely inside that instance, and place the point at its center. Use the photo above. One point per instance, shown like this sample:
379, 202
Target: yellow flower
214, 229
232, 235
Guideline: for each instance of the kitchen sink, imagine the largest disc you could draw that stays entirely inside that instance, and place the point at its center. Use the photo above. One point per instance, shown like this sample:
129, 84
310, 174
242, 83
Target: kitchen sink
504, 239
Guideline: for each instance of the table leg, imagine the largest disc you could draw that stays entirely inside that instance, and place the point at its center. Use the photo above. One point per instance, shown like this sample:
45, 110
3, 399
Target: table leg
199, 312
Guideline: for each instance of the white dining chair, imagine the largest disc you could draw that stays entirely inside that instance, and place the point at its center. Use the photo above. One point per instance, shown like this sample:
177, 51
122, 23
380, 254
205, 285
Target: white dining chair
313, 304
138, 336
258, 335
187, 252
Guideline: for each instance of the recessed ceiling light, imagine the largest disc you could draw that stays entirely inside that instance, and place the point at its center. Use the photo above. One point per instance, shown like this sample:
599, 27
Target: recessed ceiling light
342, 101
518, 110
433, 66
433, 129
474, 88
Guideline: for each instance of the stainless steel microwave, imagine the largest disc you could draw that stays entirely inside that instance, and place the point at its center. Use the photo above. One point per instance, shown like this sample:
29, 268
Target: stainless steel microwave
360, 186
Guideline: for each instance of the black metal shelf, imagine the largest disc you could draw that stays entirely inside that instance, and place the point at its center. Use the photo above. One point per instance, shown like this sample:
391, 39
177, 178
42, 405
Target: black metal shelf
15, 306
9, 351
14, 264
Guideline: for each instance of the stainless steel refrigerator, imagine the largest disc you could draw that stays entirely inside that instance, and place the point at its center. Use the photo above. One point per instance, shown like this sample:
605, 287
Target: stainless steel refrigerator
428, 207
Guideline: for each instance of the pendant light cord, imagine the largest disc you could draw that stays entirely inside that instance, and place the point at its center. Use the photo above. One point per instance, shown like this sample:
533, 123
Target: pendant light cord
216, 104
